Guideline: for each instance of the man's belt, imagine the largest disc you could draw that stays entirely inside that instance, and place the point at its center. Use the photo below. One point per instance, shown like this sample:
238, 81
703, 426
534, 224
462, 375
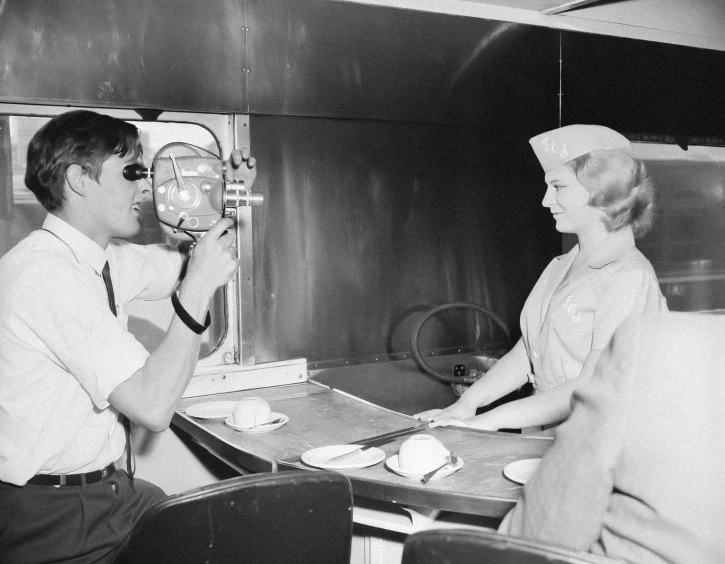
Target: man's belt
72, 479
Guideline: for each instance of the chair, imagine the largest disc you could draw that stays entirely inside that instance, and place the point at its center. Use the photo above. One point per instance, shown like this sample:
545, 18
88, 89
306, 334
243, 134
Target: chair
294, 517
463, 546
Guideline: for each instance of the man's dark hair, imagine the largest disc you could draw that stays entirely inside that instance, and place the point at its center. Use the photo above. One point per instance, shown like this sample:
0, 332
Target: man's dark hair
78, 137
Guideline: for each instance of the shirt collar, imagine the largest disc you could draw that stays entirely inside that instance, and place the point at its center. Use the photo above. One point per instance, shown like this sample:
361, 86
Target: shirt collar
82, 247
615, 245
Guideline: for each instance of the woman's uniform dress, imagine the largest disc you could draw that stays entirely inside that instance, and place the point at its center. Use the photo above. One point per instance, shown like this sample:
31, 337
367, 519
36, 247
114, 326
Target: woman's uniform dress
563, 320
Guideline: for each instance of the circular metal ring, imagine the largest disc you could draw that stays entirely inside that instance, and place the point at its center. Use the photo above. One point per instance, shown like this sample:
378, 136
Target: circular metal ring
415, 349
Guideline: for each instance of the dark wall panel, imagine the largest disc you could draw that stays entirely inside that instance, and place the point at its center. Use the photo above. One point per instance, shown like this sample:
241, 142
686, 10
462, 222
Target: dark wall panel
367, 224
642, 87
349, 60
168, 54
341, 59
288, 57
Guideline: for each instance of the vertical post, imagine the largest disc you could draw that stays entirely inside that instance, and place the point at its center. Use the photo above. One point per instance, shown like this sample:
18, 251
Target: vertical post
6, 186
245, 277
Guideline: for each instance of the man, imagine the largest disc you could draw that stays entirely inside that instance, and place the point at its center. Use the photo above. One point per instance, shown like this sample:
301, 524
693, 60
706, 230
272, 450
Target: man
636, 472
68, 366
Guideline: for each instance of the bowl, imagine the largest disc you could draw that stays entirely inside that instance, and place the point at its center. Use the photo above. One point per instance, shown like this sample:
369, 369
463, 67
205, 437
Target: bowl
422, 453
251, 412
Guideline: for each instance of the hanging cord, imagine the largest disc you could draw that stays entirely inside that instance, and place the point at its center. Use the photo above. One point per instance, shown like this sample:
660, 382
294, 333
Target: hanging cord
561, 91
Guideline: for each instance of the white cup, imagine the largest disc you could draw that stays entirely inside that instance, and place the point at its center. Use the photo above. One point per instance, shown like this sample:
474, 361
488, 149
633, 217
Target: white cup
422, 453
250, 412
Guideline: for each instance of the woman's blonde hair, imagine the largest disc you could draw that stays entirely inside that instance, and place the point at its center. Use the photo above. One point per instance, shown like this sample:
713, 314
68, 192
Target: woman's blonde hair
619, 186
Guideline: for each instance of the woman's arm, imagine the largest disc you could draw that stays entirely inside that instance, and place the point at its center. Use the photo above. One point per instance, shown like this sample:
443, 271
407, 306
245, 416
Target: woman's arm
508, 374
551, 406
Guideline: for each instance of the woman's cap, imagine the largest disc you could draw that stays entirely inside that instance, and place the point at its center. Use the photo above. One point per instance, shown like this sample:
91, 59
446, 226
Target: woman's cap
558, 146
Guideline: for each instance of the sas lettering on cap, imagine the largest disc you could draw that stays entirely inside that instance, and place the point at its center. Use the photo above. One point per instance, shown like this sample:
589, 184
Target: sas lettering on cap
554, 148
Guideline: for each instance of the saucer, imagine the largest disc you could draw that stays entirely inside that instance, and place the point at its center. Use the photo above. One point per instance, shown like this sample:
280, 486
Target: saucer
319, 456
259, 428
521, 470
211, 409
392, 463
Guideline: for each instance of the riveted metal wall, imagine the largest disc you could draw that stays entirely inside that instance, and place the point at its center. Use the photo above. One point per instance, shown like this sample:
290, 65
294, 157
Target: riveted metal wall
363, 62
367, 224
165, 54
393, 144
286, 57
397, 175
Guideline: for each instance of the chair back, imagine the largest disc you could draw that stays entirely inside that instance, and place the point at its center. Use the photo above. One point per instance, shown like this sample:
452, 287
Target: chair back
295, 517
464, 546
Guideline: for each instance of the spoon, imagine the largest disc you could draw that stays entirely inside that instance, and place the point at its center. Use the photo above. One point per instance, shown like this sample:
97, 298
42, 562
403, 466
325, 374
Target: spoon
271, 422
452, 459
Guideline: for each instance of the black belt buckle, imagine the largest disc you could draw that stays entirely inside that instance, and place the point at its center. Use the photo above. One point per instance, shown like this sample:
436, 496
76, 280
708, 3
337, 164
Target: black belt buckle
72, 479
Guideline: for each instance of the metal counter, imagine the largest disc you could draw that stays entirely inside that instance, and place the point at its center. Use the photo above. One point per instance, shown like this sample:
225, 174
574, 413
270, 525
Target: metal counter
320, 416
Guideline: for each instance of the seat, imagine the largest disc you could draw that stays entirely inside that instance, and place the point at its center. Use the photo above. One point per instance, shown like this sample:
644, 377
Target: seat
294, 517
467, 546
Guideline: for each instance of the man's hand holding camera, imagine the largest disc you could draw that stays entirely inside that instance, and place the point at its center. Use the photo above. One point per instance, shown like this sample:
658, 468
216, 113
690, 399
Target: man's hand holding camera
214, 261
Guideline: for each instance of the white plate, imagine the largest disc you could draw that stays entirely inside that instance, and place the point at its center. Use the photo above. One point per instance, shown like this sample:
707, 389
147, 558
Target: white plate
521, 470
259, 428
211, 409
392, 463
319, 456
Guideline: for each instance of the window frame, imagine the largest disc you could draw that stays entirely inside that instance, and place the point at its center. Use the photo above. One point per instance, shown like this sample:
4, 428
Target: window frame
237, 345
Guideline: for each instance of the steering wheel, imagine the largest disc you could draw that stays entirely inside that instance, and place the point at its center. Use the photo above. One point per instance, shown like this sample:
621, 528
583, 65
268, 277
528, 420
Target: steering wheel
415, 349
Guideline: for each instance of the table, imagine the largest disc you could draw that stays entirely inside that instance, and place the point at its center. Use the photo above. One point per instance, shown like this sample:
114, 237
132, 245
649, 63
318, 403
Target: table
322, 416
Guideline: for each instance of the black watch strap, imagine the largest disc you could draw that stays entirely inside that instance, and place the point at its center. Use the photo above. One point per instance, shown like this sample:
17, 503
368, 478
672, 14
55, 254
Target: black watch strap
189, 321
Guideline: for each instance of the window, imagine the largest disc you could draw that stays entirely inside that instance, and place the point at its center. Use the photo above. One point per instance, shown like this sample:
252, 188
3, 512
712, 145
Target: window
20, 213
687, 243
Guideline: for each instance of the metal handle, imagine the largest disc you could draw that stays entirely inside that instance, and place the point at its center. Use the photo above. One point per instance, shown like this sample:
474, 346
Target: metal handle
237, 196
452, 459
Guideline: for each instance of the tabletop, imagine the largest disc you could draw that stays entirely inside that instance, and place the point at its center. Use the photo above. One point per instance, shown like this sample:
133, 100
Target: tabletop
320, 416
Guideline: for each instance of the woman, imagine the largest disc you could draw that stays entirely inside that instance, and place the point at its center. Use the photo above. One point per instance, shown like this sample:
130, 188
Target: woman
598, 191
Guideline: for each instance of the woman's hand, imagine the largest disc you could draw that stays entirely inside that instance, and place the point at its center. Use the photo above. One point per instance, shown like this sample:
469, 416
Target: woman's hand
450, 423
458, 410
479, 422
505, 376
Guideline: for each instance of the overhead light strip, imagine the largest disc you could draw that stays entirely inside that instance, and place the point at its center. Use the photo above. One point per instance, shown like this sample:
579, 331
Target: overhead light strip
571, 5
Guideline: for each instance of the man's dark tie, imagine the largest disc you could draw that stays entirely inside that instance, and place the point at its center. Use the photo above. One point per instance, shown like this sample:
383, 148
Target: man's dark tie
109, 288
126, 422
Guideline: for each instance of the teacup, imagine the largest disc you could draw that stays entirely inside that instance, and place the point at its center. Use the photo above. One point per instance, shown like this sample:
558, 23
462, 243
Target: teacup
251, 412
422, 453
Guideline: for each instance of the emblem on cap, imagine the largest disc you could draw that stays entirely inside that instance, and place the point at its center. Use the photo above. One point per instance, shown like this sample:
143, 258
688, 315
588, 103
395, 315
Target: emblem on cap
554, 148
558, 146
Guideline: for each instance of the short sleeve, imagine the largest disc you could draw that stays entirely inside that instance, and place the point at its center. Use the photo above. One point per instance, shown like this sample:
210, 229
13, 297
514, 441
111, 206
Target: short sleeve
629, 290
144, 272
